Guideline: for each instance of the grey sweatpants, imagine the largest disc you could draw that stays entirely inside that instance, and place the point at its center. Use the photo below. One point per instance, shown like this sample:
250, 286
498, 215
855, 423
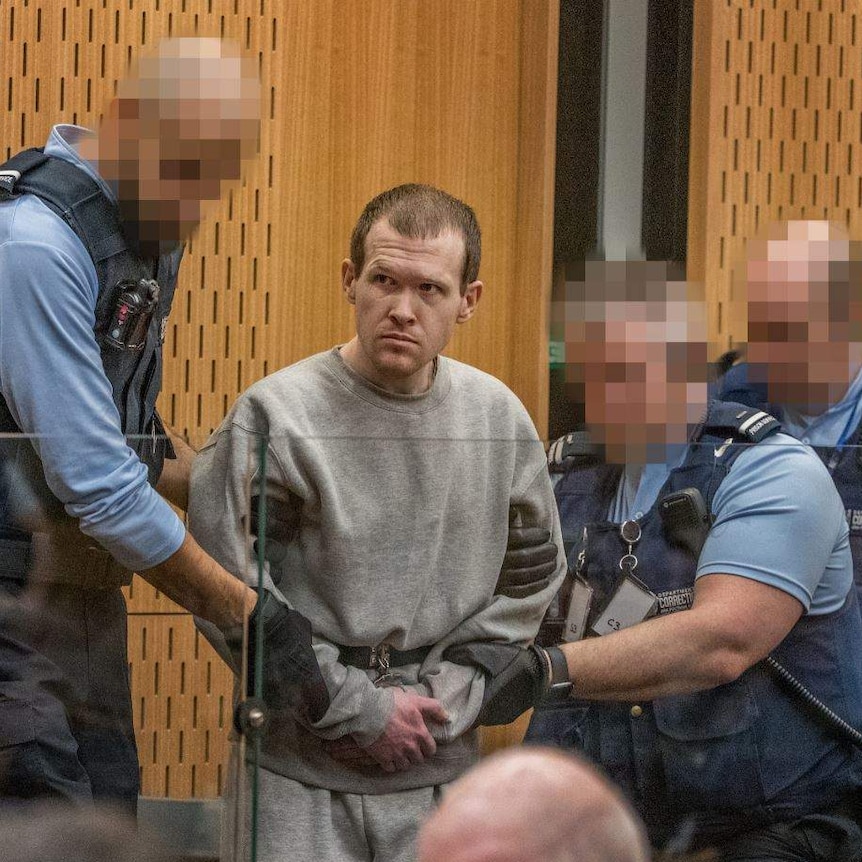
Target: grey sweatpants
300, 823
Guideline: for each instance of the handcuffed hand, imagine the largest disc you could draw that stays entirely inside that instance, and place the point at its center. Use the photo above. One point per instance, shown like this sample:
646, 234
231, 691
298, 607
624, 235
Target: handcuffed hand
405, 741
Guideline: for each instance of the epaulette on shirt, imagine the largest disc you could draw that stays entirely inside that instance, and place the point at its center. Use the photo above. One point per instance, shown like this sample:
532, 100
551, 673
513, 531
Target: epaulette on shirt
725, 419
743, 423
574, 449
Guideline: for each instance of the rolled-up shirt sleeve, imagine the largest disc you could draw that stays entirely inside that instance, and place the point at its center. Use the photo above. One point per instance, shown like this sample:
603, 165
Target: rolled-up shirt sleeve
52, 378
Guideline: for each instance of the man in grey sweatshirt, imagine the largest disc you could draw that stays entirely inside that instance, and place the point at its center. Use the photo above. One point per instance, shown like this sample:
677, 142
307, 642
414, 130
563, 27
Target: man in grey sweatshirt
399, 472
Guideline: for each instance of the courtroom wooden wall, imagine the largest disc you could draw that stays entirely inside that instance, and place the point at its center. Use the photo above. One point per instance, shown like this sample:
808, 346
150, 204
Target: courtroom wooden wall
359, 95
775, 132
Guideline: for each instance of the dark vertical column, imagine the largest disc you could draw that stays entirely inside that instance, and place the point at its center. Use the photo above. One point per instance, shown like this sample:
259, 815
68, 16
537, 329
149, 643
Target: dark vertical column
577, 175
667, 121
666, 150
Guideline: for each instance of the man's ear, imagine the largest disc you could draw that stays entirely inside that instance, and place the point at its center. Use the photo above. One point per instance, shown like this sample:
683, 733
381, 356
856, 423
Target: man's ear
348, 280
469, 301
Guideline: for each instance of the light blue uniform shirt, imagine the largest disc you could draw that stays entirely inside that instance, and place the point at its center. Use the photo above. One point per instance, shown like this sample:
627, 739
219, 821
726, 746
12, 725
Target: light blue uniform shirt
640, 483
766, 528
834, 426
52, 378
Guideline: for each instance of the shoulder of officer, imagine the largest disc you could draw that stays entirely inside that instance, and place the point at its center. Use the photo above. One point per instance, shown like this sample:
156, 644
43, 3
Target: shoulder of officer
573, 450
739, 421
725, 362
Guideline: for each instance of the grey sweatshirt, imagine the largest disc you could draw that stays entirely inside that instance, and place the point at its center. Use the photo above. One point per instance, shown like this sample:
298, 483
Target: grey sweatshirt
405, 506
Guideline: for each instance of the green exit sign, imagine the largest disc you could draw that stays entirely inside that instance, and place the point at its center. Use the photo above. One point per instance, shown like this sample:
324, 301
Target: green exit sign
557, 354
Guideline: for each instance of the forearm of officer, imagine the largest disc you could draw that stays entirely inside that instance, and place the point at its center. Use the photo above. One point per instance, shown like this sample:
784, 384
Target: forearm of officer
173, 483
194, 580
733, 623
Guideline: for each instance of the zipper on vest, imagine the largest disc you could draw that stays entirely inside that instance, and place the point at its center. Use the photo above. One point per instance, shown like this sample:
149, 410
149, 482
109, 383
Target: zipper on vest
149, 374
581, 563
145, 390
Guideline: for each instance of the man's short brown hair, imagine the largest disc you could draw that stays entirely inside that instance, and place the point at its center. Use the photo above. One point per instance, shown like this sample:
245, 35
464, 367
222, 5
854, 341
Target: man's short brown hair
421, 212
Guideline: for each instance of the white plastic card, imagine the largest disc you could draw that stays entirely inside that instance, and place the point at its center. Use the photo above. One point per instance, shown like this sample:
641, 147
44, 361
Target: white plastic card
579, 610
632, 603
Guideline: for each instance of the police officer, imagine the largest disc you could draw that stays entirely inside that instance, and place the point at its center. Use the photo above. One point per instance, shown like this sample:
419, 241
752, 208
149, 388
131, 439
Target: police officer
804, 292
693, 563
90, 241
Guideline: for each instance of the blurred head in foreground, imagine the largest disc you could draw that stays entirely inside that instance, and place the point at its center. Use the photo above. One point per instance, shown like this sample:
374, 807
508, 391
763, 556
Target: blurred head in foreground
533, 805
55, 833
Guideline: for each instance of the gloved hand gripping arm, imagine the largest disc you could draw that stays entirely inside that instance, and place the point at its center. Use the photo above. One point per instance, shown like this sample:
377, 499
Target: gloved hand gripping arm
530, 562
291, 677
516, 678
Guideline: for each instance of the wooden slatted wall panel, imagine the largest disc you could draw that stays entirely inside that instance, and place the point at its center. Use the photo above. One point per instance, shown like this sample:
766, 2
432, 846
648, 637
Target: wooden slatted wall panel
182, 697
358, 95
775, 131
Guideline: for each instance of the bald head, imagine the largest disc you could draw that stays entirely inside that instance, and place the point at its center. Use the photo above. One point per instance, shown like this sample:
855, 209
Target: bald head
181, 123
532, 805
803, 285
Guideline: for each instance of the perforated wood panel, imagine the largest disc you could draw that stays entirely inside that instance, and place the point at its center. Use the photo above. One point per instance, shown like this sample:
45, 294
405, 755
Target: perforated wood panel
181, 697
358, 95
775, 131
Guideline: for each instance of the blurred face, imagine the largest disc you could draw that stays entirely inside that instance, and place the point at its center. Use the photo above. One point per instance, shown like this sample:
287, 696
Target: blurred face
408, 300
177, 171
171, 141
635, 365
799, 330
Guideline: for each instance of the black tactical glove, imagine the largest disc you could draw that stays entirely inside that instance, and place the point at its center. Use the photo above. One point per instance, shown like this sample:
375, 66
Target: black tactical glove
529, 564
281, 528
291, 675
515, 678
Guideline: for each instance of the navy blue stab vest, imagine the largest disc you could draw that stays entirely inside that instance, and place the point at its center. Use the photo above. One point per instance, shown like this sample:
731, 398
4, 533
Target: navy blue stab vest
731, 758
135, 375
845, 466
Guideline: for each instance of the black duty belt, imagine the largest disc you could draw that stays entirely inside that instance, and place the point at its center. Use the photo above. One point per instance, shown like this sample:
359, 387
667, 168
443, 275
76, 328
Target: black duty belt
380, 657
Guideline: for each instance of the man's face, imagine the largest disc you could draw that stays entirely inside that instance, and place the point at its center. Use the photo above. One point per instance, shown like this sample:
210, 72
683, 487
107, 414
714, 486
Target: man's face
408, 300
795, 344
635, 366
178, 171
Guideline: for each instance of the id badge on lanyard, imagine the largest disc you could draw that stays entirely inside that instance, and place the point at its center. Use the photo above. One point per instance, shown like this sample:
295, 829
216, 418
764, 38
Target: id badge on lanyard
632, 602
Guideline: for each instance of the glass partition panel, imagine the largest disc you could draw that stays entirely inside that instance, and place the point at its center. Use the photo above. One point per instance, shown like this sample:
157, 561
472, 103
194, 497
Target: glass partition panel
381, 554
